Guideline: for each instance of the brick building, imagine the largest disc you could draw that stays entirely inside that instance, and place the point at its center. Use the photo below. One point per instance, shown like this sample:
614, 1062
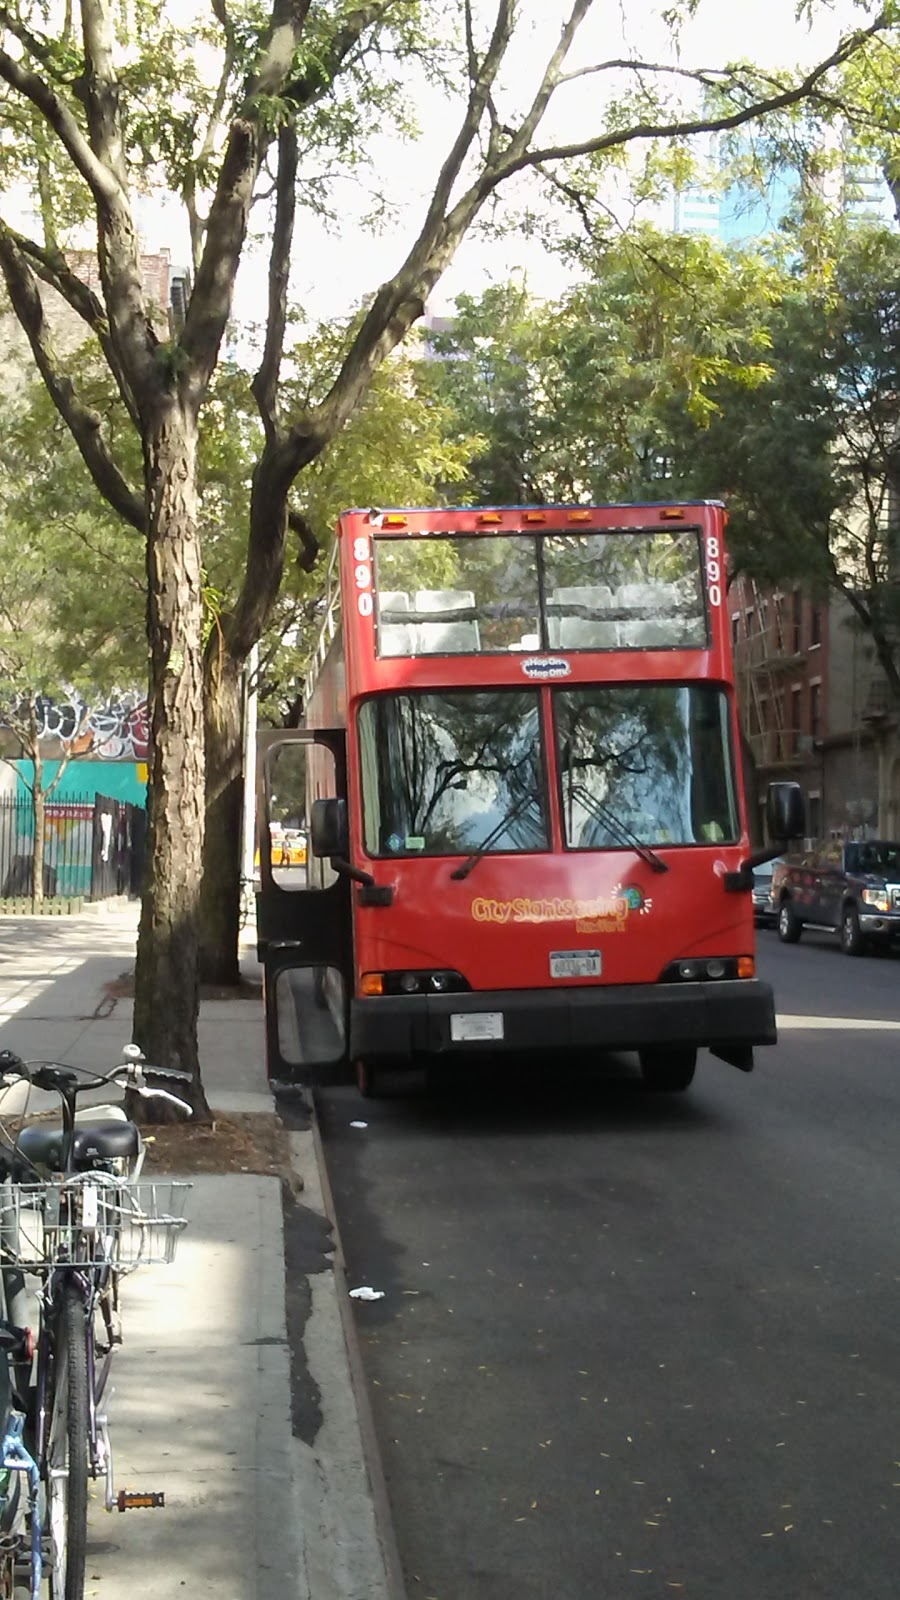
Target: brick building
166, 288
815, 709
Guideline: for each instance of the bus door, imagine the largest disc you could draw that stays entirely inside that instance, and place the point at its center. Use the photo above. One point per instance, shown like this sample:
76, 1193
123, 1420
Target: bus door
304, 937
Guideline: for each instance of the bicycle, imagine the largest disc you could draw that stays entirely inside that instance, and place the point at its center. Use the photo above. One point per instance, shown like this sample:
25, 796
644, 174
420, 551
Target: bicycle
73, 1214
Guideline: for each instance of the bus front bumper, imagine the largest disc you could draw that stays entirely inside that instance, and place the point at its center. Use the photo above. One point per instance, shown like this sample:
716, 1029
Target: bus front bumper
728, 1018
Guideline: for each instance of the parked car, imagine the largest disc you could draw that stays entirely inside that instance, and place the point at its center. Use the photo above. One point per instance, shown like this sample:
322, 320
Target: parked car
851, 888
765, 910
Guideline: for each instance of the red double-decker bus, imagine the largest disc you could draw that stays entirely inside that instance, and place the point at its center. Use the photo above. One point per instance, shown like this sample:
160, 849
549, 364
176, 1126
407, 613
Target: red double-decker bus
521, 788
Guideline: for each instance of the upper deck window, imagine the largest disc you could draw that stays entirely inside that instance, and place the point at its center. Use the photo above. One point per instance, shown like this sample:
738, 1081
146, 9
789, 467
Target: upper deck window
490, 593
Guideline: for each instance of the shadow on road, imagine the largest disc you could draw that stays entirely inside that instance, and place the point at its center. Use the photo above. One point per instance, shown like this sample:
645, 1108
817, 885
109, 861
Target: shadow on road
516, 1098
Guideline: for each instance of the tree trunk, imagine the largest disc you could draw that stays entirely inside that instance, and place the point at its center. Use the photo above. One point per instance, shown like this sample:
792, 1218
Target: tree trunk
167, 995
220, 902
39, 809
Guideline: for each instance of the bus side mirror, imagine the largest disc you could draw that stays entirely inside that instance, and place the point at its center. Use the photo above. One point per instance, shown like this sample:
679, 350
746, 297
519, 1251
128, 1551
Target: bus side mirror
785, 820
328, 831
785, 811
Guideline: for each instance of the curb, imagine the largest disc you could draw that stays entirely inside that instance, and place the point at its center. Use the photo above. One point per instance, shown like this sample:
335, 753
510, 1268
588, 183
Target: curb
374, 1464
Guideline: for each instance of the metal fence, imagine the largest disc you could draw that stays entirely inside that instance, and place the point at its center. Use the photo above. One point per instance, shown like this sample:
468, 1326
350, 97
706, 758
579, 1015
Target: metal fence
93, 847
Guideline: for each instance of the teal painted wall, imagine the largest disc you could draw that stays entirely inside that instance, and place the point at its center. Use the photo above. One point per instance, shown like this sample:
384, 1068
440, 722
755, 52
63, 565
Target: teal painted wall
82, 780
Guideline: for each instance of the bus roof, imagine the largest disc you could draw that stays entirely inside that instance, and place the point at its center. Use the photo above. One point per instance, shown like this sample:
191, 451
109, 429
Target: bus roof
599, 505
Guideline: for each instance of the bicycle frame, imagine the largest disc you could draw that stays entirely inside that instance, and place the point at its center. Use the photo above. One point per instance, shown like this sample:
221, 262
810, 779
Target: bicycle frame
78, 1231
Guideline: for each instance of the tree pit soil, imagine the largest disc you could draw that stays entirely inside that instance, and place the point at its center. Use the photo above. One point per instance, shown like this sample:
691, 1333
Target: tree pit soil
232, 1142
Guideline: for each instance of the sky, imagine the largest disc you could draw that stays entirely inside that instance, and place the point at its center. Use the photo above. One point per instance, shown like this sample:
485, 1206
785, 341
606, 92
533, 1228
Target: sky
334, 271
335, 268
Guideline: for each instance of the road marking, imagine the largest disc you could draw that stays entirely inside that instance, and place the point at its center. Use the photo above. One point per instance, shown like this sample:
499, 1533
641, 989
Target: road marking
839, 1024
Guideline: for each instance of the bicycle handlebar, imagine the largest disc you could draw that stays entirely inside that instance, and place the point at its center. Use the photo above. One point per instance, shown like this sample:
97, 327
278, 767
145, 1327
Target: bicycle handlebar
147, 1092
56, 1075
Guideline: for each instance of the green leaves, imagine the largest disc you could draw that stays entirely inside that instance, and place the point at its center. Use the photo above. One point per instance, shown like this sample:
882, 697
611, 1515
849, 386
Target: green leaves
578, 399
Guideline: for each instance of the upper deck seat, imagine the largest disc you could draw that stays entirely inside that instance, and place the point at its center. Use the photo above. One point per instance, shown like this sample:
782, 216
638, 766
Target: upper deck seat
658, 627
682, 602
394, 638
445, 638
580, 632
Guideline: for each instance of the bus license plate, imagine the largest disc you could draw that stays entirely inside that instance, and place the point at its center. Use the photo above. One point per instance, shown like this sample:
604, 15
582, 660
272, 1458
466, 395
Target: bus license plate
575, 963
466, 1025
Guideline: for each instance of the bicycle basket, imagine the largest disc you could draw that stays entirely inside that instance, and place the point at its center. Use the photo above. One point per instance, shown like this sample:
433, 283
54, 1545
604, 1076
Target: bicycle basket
92, 1220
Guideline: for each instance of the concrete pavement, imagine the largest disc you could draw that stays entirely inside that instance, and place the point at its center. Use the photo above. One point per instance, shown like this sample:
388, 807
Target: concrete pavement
255, 1427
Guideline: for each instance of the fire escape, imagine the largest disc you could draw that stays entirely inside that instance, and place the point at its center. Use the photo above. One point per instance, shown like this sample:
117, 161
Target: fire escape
765, 658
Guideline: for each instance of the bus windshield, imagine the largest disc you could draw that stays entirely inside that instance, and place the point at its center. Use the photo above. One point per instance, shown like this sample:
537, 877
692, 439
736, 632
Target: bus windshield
452, 773
488, 593
650, 760
463, 771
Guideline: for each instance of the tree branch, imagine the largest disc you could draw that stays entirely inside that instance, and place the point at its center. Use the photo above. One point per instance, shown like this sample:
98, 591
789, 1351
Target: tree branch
210, 302
707, 77
479, 94
189, 192
50, 265
303, 91
806, 89
265, 383
245, 151
56, 113
226, 227
309, 544
83, 422
550, 79
36, 47
118, 245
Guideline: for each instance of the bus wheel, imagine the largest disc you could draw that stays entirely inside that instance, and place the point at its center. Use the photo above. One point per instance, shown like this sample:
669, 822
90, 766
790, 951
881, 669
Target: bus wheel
366, 1079
668, 1068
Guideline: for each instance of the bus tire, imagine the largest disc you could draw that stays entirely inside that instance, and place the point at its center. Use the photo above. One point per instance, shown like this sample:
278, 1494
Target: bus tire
366, 1079
789, 925
668, 1069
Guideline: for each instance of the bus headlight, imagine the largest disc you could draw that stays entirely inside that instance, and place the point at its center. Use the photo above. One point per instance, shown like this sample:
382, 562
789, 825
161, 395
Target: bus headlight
702, 969
443, 980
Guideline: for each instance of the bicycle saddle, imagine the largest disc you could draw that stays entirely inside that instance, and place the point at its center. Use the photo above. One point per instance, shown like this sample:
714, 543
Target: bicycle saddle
96, 1141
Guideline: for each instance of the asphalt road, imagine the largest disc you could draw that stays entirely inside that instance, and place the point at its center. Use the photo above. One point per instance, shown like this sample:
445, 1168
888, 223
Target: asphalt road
644, 1346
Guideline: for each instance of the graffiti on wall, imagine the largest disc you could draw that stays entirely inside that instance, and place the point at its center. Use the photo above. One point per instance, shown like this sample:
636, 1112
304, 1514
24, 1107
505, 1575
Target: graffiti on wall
112, 730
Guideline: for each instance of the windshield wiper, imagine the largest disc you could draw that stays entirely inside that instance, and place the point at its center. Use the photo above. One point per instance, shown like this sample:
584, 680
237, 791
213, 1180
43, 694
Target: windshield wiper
465, 867
617, 826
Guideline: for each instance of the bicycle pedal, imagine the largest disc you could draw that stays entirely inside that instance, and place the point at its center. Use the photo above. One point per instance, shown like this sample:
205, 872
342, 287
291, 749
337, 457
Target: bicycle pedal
135, 1500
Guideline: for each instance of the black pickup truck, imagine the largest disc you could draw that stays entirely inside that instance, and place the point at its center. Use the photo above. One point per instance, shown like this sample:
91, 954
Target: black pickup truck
852, 889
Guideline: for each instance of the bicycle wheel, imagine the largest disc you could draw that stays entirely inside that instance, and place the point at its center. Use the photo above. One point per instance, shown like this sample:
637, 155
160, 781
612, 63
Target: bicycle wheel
66, 1464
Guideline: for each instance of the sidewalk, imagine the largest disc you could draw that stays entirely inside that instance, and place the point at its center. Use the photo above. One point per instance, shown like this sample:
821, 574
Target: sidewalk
202, 1407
